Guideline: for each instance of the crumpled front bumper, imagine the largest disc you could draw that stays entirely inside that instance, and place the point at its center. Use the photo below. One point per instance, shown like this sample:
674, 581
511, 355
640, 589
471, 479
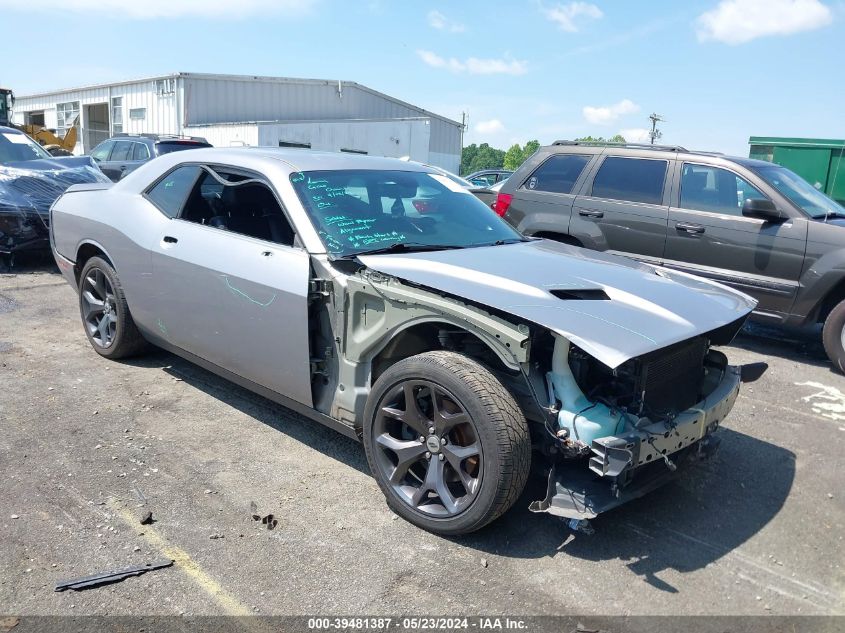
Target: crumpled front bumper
628, 466
23, 230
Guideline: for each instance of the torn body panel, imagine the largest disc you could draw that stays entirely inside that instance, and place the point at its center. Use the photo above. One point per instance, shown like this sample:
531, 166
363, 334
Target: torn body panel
363, 312
28, 190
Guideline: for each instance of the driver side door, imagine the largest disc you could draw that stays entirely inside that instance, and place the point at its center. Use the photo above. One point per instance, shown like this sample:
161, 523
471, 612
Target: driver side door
227, 292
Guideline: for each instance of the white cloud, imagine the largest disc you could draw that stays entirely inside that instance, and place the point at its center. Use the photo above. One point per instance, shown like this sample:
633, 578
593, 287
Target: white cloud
567, 16
740, 21
602, 115
636, 135
475, 65
147, 9
493, 126
440, 22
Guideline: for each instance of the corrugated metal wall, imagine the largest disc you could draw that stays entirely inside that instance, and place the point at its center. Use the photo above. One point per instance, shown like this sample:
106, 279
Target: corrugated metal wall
160, 112
205, 99
222, 100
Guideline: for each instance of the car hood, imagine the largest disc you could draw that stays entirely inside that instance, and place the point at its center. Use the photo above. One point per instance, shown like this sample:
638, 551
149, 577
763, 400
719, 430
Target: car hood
611, 307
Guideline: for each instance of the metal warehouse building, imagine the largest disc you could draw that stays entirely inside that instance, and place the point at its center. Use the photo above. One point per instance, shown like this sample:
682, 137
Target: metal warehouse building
245, 110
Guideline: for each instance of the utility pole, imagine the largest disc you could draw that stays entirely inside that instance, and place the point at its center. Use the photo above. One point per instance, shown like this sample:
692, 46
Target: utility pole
655, 133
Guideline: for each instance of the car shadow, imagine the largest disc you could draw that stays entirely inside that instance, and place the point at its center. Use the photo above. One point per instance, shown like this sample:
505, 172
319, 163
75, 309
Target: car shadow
712, 508
321, 438
803, 345
703, 515
28, 262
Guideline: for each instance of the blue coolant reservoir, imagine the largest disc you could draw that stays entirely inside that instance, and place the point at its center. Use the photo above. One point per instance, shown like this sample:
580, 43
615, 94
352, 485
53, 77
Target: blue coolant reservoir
584, 420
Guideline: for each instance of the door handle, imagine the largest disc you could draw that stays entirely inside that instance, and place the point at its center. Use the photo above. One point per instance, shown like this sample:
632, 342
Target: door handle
588, 213
169, 240
693, 229
267, 253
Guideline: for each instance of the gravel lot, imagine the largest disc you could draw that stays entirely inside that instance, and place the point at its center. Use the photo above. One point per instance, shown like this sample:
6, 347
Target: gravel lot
86, 445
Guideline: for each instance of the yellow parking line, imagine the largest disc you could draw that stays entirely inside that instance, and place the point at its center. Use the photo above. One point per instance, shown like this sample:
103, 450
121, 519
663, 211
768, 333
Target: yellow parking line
228, 603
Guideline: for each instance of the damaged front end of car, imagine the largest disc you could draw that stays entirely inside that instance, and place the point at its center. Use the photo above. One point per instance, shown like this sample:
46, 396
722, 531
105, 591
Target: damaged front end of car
616, 434
28, 190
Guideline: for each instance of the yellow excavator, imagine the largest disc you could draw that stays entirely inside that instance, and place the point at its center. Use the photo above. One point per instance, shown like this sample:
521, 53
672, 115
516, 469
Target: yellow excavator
56, 145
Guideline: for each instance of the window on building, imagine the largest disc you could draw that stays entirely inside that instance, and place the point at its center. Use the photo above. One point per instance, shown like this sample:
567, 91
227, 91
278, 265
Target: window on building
137, 114
294, 144
117, 115
170, 193
706, 188
558, 174
67, 116
630, 179
165, 87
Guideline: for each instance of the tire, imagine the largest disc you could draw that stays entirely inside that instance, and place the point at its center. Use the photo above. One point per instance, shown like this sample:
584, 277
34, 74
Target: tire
833, 334
471, 468
105, 315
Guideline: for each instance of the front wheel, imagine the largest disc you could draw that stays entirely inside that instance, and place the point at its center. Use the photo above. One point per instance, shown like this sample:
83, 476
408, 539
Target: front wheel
446, 442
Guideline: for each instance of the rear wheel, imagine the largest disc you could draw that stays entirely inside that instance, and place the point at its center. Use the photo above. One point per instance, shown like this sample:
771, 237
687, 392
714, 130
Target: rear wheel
105, 315
446, 442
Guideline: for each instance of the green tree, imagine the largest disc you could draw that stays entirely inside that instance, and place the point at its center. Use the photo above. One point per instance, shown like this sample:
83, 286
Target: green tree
600, 139
517, 155
481, 157
513, 157
467, 156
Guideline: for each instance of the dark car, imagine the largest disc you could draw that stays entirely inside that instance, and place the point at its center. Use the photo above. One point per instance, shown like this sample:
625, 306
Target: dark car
124, 153
488, 177
30, 181
750, 224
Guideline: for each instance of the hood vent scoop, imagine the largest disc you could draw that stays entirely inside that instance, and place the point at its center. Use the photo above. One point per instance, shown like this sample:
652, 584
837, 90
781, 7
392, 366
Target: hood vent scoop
584, 294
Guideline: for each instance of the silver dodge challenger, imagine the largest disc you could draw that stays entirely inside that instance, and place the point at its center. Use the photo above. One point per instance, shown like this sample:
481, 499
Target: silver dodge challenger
382, 299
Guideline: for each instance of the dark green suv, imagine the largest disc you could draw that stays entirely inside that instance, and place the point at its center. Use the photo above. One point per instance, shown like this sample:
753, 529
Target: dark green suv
749, 224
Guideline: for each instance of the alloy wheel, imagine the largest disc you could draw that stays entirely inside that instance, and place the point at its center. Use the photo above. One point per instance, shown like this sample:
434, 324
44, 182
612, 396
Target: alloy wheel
99, 312
428, 448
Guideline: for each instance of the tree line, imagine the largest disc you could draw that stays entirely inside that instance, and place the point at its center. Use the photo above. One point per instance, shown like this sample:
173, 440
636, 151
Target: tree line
477, 157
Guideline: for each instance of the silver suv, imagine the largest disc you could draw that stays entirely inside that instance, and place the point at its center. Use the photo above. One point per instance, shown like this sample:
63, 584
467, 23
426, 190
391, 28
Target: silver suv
750, 224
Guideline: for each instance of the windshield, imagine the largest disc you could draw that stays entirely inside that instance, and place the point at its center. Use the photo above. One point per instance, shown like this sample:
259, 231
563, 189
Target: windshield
16, 147
801, 193
359, 211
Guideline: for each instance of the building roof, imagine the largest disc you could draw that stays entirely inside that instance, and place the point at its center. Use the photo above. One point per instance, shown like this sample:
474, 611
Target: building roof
245, 78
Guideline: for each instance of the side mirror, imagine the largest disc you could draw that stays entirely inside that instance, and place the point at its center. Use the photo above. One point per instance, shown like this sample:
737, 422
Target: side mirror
763, 209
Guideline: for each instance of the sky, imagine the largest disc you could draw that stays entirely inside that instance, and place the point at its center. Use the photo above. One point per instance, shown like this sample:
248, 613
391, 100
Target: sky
716, 71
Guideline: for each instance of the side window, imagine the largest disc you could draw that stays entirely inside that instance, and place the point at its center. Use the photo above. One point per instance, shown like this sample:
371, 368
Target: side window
706, 188
558, 174
102, 151
237, 203
630, 179
122, 150
170, 192
141, 152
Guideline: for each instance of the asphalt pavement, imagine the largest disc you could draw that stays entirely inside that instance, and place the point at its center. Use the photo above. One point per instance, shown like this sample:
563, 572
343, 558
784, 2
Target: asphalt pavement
87, 446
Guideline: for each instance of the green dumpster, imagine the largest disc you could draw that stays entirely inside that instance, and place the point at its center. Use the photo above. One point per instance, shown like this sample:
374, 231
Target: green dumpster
818, 160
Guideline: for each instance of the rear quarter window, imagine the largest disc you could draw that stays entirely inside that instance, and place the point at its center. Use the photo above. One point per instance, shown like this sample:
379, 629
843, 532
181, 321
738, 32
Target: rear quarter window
630, 179
170, 193
558, 174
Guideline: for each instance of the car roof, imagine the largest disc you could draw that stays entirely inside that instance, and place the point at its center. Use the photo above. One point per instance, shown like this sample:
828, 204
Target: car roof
286, 159
9, 130
654, 151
